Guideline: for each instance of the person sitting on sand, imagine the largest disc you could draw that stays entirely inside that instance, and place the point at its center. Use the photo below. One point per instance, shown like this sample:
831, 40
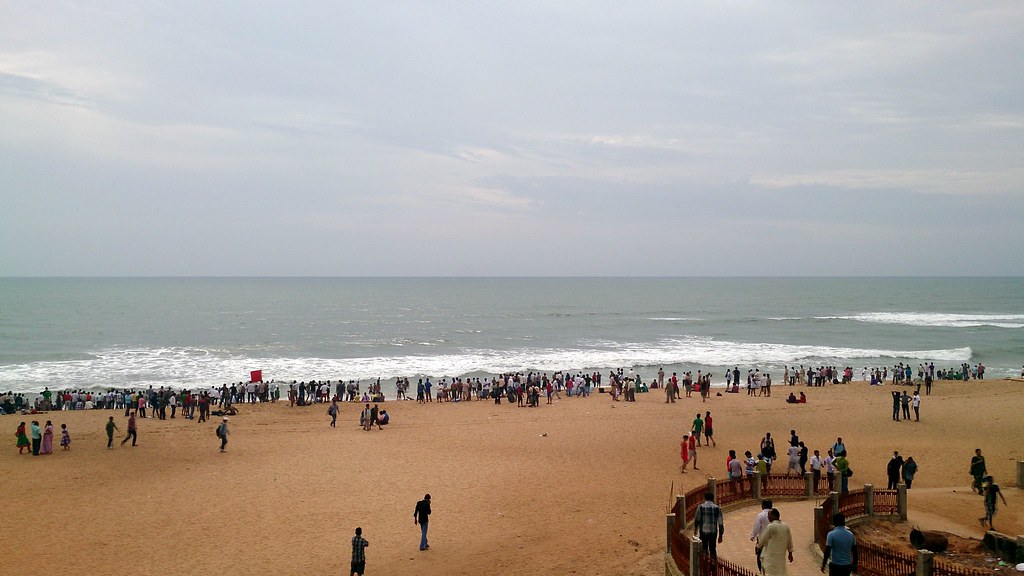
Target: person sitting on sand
384, 418
792, 398
803, 399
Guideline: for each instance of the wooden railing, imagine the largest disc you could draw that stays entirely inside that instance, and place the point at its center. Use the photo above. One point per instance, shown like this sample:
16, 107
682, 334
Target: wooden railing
874, 560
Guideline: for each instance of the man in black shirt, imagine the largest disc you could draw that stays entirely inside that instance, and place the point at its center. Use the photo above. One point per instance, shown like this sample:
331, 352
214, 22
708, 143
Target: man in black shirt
421, 515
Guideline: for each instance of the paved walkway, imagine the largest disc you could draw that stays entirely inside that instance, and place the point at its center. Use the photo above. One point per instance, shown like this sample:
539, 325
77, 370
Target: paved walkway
737, 548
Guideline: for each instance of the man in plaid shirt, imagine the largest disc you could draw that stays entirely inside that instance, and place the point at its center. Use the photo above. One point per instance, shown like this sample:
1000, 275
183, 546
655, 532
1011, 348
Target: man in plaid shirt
706, 521
359, 545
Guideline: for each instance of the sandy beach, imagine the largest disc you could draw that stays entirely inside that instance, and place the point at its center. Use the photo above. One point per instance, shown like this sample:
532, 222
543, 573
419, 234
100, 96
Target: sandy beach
577, 487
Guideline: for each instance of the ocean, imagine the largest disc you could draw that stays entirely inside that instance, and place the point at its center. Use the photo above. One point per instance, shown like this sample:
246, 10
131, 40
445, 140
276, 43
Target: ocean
99, 333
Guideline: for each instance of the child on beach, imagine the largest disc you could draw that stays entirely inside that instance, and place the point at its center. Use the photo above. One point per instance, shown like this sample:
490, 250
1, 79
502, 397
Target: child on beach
684, 452
65, 437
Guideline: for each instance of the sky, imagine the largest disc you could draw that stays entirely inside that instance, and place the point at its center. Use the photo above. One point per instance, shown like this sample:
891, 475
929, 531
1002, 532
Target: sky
454, 138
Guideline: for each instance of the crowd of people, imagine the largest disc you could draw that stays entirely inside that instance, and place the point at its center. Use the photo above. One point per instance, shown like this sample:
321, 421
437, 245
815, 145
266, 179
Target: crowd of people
525, 388
742, 471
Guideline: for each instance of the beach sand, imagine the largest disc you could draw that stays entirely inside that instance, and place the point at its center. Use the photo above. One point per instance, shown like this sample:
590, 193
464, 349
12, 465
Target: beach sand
578, 487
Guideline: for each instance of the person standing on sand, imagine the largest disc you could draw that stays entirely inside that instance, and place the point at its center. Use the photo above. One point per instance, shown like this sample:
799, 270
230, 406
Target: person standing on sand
65, 437
707, 520
661, 377
22, 436
839, 449
333, 413
364, 417
894, 470
47, 447
793, 454
909, 470
895, 406
37, 437
420, 516
222, 433
684, 452
735, 467
905, 402
776, 542
916, 403
978, 470
843, 470
359, 545
110, 433
697, 428
816, 465
709, 432
830, 471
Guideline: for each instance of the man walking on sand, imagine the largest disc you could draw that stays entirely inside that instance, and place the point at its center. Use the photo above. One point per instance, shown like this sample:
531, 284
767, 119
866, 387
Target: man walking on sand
991, 491
131, 431
359, 545
110, 433
421, 515
978, 470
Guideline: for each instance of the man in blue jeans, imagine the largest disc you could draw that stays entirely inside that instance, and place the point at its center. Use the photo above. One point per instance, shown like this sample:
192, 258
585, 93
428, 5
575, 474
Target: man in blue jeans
841, 548
421, 515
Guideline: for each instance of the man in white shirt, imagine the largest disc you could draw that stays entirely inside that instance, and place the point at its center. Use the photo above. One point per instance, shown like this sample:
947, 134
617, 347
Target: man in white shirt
830, 470
776, 541
816, 464
760, 522
794, 460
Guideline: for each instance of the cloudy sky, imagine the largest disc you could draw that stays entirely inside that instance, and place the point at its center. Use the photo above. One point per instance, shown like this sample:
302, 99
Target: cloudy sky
511, 138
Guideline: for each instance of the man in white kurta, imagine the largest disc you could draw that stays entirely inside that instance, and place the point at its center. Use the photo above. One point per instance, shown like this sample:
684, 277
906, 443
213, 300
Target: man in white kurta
776, 543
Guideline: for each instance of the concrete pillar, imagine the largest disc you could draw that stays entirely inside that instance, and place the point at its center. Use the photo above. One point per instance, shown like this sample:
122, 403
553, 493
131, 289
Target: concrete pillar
755, 488
869, 499
681, 502
694, 556
713, 487
670, 528
923, 566
901, 491
808, 485
834, 496
819, 519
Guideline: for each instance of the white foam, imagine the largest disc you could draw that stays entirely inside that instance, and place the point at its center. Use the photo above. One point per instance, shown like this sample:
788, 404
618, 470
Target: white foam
936, 319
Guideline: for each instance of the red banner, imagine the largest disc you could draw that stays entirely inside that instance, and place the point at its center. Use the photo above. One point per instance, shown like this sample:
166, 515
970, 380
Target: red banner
256, 376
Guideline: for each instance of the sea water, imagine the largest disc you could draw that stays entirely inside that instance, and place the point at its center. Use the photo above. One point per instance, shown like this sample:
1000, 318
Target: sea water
99, 333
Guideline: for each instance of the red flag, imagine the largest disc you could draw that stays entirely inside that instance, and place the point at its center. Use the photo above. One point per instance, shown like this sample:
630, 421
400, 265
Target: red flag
256, 376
